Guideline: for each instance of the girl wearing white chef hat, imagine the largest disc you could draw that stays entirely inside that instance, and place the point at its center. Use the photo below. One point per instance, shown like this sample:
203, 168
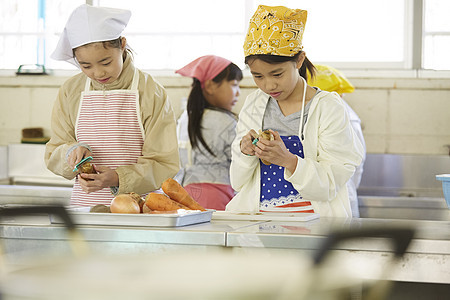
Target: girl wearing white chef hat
111, 111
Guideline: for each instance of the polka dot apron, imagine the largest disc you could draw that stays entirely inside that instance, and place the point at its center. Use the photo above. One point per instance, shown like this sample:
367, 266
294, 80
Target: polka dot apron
278, 194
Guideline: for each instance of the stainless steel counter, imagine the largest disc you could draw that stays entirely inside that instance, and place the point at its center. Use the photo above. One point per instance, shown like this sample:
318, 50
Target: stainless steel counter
431, 236
427, 259
410, 208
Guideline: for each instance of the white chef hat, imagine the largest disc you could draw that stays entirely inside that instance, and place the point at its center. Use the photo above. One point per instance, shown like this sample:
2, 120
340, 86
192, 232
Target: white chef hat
89, 24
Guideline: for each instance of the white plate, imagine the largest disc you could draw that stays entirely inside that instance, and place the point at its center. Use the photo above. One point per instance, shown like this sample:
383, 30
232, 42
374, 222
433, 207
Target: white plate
264, 216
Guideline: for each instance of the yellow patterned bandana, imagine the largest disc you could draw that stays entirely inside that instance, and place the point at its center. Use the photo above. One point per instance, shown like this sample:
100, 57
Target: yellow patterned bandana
275, 30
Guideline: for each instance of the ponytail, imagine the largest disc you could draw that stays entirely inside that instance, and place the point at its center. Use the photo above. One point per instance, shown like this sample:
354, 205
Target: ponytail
196, 105
307, 66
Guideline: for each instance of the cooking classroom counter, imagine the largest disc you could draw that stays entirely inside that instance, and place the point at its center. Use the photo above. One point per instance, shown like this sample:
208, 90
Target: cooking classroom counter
427, 259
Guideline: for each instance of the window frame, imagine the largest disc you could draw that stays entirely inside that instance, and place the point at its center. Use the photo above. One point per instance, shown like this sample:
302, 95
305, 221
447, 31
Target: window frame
414, 39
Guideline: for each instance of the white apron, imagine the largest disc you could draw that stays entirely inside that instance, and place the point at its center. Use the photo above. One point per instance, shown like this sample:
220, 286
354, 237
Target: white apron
110, 123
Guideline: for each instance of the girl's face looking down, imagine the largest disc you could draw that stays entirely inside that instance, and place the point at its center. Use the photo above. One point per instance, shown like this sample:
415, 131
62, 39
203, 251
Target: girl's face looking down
224, 94
279, 80
100, 63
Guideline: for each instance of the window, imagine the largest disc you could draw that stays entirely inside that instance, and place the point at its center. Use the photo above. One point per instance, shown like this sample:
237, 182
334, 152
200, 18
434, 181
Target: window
168, 34
436, 46
27, 30
354, 32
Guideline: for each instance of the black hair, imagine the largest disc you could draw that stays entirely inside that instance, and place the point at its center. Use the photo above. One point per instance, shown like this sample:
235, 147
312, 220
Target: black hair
116, 43
196, 105
275, 59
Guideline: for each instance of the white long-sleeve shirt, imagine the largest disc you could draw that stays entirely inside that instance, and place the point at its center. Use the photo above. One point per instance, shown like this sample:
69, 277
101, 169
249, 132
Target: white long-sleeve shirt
331, 148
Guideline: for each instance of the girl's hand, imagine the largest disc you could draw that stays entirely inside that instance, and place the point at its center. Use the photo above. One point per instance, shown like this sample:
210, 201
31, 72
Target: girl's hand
105, 177
77, 155
276, 152
247, 147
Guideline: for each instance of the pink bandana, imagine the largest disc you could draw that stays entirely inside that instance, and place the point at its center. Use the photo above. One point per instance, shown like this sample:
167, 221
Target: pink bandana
204, 68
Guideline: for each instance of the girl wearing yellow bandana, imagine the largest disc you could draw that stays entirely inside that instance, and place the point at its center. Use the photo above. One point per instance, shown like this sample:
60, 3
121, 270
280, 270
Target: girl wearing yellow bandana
314, 150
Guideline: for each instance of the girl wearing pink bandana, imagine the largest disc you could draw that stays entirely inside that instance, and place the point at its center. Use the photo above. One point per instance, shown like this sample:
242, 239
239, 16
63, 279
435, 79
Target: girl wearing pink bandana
207, 128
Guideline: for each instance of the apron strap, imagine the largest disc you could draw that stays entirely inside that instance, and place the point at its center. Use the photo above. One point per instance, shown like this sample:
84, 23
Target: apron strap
87, 86
303, 109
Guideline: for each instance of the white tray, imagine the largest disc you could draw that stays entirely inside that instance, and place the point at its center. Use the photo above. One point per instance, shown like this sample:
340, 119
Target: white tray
265, 216
82, 216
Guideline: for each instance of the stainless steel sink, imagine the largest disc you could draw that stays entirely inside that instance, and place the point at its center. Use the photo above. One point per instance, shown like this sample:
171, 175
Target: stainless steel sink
397, 175
412, 208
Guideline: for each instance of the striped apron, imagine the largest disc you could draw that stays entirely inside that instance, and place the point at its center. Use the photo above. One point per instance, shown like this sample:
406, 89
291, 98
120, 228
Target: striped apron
110, 123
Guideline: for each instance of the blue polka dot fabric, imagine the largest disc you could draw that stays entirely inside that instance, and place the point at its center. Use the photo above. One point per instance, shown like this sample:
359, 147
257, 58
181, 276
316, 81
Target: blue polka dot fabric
275, 190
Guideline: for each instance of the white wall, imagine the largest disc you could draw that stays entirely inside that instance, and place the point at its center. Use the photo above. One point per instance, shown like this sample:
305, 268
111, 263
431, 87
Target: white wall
399, 115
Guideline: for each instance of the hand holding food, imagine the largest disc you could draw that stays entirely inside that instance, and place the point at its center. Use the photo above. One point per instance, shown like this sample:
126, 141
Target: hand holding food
274, 151
77, 155
104, 177
87, 167
246, 145
266, 135
84, 166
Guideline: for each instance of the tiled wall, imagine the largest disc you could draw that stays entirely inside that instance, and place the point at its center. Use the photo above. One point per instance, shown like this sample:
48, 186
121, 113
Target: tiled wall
403, 116
399, 116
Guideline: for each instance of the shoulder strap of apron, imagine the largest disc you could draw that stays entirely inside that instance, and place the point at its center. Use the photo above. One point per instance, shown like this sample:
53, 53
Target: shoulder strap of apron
303, 108
87, 86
